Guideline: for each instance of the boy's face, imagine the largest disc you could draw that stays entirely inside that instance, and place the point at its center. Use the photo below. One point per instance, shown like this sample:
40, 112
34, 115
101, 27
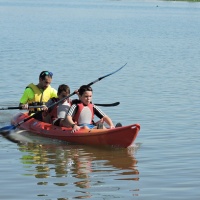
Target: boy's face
86, 98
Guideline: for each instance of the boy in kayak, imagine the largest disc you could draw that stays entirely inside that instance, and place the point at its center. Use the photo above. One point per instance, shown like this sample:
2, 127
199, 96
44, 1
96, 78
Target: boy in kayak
82, 113
56, 114
37, 95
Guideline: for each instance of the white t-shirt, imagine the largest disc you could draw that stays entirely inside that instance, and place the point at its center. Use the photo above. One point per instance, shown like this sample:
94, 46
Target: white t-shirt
62, 108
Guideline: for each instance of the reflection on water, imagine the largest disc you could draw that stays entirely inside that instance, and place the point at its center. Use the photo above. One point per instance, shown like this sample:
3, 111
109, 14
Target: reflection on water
78, 165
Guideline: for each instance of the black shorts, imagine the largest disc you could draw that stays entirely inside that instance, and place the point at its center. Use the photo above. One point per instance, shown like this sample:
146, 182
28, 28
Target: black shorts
57, 122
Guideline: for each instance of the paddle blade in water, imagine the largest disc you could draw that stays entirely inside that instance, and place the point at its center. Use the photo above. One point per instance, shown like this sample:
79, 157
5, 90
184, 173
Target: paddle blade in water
13, 135
6, 133
6, 129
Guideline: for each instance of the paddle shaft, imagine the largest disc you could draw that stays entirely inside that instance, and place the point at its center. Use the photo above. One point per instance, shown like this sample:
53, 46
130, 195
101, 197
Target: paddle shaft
93, 82
97, 104
19, 107
105, 76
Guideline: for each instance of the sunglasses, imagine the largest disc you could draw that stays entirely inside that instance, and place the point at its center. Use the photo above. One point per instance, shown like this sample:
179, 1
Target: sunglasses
46, 73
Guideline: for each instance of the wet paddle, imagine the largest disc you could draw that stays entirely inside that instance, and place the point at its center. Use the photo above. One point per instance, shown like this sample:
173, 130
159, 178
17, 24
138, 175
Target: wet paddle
18, 107
98, 104
107, 104
5, 131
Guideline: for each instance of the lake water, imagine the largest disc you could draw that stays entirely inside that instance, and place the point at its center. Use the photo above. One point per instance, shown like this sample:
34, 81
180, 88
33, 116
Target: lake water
80, 41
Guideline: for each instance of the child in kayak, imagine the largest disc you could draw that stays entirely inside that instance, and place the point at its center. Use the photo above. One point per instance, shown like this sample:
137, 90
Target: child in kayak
82, 113
56, 114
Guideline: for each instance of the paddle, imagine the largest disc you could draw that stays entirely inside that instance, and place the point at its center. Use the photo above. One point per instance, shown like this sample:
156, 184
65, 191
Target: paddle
76, 101
19, 107
98, 104
107, 104
5, 131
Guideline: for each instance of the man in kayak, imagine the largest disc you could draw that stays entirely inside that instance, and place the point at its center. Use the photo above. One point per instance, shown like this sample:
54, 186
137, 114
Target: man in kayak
82, 113
37, 95
56, 114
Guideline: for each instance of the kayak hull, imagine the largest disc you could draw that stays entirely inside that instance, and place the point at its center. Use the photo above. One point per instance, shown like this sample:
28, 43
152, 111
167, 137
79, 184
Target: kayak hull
117, 137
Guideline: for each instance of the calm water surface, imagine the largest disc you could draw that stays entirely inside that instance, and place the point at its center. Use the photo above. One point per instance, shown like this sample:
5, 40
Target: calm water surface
80, 41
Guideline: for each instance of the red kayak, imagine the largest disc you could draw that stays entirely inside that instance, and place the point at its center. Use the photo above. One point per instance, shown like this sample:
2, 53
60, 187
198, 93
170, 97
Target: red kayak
118, 137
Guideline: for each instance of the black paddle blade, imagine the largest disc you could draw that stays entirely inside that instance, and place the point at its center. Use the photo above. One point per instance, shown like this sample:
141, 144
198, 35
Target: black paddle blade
107, 104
